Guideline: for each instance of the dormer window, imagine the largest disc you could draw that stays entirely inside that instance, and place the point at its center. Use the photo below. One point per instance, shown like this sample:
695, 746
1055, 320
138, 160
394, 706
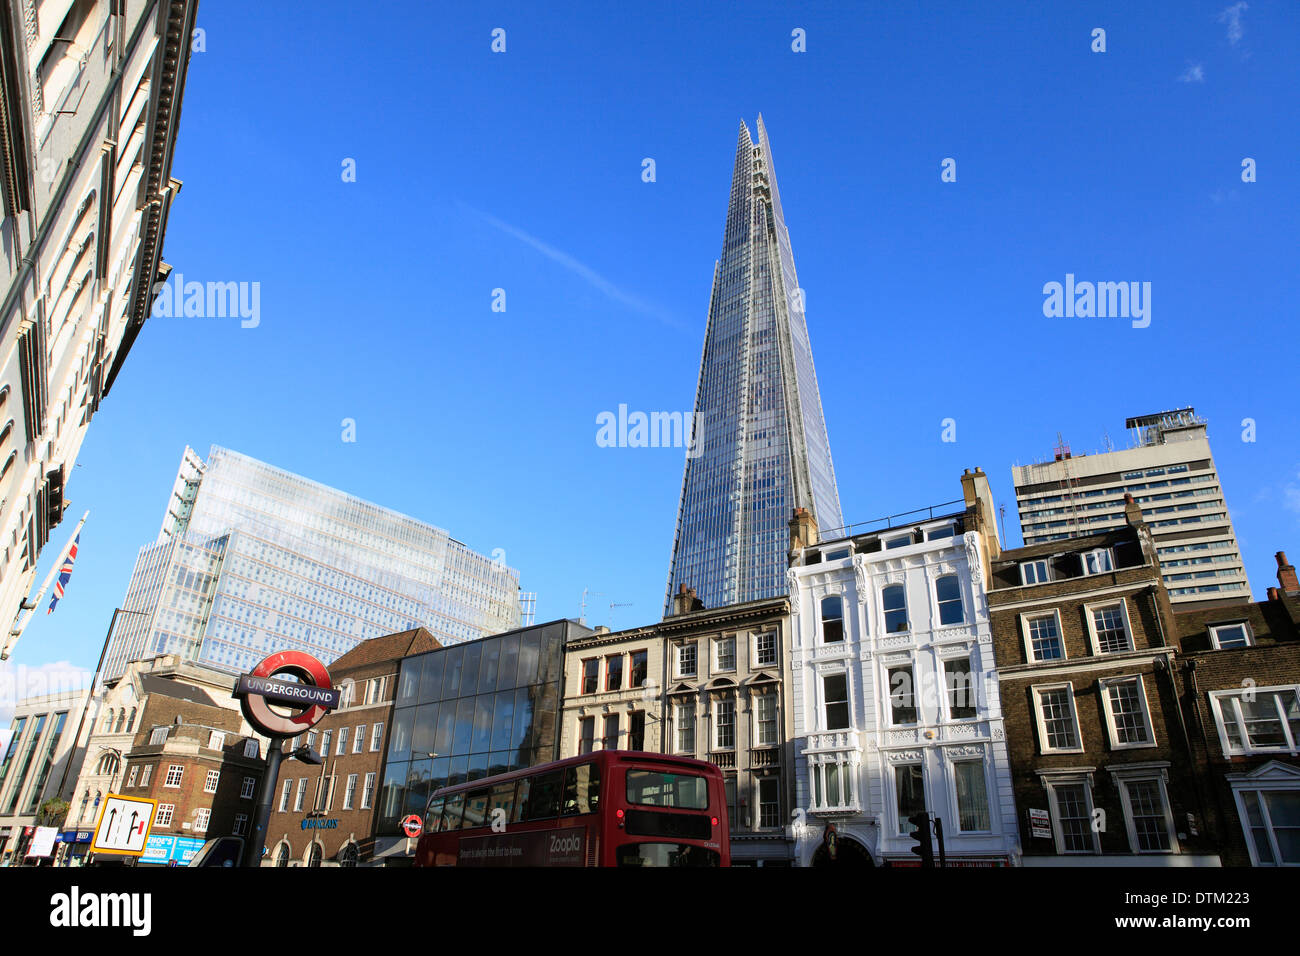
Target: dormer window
837, 554
1035, 572
1097, 562
1225, 636
902, 541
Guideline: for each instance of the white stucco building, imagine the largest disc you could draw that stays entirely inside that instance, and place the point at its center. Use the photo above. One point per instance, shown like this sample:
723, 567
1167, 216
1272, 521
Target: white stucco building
90, 102
894, 692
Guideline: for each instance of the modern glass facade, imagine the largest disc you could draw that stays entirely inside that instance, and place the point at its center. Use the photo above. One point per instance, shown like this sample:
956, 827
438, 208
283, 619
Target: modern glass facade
252, 560
472, 711
764, 449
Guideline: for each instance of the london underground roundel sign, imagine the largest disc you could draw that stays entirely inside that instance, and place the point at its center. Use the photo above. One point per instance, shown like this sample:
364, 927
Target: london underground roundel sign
311, 696
413, 826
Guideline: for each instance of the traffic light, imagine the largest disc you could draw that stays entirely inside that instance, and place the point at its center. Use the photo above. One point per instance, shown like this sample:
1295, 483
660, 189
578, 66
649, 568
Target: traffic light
921, 835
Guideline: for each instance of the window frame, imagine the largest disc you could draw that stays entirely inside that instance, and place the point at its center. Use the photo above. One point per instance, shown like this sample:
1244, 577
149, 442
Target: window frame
212, 781
972, 684
1094, 552
1043, 746
886, 611
1026, 618
679, 652
1103, 688
939, 602
1054, 811
824, 701
823, 620
721, 705
718, 644
1243, 624
685, 708
1217, 698
989, 805
1122, 781
759, 637
1088, 613
179, 776
1033, 563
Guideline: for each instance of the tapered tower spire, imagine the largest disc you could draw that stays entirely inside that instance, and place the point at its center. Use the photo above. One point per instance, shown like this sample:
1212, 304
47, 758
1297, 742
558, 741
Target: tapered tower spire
762, 450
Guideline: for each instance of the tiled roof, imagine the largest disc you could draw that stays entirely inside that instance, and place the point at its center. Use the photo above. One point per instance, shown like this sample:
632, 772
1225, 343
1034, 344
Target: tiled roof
386, 648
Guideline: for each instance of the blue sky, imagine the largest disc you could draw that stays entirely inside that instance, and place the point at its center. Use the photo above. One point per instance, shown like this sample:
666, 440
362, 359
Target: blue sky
522, 171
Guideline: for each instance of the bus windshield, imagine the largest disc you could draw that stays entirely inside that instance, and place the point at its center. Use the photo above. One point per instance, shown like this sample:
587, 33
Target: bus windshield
652, 788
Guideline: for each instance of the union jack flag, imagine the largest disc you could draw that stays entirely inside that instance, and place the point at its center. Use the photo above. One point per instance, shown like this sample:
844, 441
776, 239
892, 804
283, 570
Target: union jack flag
65, 572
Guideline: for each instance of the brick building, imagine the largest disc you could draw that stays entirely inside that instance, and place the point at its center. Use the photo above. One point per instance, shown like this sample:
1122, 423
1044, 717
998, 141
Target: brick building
329, 812
118, 714
1102, 763
1239, 673
194, 758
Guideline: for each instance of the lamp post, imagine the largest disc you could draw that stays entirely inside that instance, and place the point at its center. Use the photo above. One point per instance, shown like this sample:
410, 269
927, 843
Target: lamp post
274, 755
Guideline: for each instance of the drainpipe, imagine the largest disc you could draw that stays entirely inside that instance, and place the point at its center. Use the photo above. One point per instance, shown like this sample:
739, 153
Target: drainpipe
1166, 666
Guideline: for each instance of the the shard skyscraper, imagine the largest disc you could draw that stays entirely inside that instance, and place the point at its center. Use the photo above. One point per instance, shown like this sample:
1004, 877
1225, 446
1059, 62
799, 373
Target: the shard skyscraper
763, 450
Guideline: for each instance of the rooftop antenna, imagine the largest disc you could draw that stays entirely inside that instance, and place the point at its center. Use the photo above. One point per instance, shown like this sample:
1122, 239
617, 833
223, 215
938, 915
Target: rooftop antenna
582, 617
1002, 515
613, 605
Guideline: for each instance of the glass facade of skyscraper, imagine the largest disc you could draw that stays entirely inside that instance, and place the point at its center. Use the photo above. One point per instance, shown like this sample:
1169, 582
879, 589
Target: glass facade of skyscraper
252, 560
472, 711
764, 444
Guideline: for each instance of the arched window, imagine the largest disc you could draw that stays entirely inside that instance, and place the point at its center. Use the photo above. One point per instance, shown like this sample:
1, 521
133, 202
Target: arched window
348, 855
130, 724
108, 722
282, 855
9, 463
121, 720
85, 802
314, 855
107, 764
948, 591
832, 619
895, 604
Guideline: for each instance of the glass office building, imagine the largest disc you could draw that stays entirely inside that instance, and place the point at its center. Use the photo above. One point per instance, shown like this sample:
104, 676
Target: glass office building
471, 711
763, 450
252, 560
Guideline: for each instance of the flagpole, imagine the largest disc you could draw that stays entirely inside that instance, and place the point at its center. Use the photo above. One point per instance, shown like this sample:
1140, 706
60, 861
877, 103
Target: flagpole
30, 607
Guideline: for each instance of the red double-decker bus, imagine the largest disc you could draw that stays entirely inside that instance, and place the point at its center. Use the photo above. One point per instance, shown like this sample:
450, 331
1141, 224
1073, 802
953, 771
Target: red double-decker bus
609, 808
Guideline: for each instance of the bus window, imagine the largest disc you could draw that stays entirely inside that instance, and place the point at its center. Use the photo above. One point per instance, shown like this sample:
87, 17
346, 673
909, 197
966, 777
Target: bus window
451, 811
503, 798
544, 797
475, 809
581, 789
521, 799
651, 788
433, 816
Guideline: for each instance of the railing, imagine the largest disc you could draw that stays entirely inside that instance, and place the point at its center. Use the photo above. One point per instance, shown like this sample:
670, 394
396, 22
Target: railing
724, 760
892, 521
767, 757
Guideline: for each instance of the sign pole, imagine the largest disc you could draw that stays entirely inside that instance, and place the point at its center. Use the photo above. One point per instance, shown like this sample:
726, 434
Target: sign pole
257, 838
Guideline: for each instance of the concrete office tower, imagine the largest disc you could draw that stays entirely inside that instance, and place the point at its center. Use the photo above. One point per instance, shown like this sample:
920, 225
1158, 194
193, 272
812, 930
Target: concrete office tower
90, 104
1170, 473
252, 560
763, 445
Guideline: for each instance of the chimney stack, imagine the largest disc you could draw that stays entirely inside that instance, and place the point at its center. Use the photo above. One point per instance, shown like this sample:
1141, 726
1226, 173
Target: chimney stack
803, 529
1286, 577
1132, 513
685, 601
